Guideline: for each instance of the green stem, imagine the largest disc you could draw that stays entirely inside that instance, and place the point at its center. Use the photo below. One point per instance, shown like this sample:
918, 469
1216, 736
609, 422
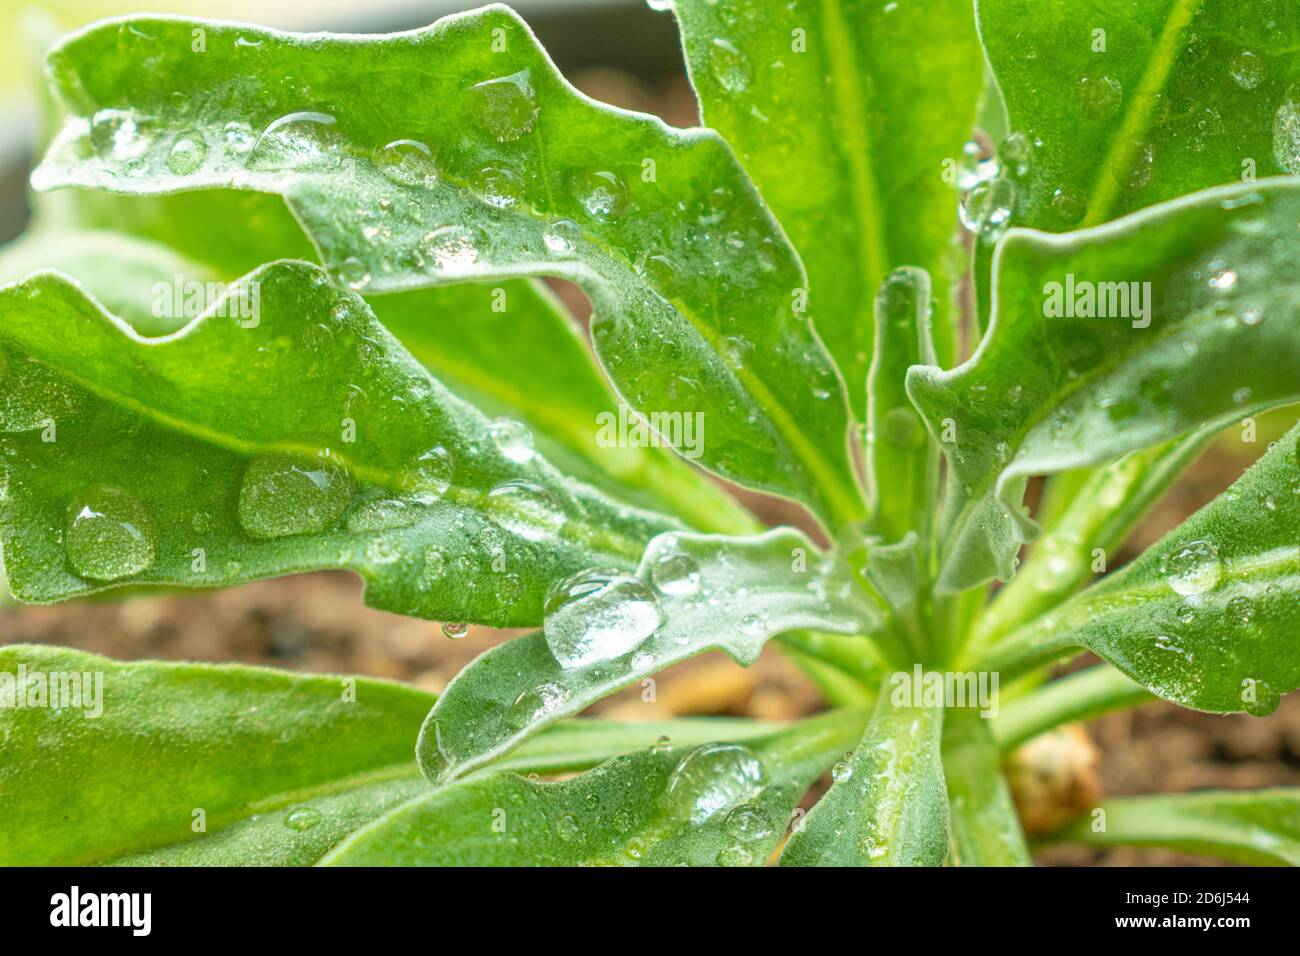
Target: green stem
1079, 696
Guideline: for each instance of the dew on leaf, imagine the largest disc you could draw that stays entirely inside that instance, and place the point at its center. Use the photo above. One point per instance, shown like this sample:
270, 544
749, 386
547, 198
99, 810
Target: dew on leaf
449, 247
110, 535
506, 106
598, 615
525, 508
455, 630
187, 153
1099, 97
1286, 132
116, 135
712, 779
302, 819
1192, 568
407, 162
730, 66
975, 166
986, 210
498, 187
675, 574
562, 236
603, 194
430, 476
287, 494
513, 440
1247, 70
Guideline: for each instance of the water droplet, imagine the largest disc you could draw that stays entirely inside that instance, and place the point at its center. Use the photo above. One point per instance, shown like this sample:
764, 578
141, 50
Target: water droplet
455, 630
1186, 613
562, 236
1223, 280
407, 162
1016, 153
498, 187
975, 166
711, 779
450, 247
1242, 395
1069, 205
384, 514
354, 273
302, 819
1247, 70
675, 574
110, 535
513, 440
537, 702
842, 771
663, 743
1286, 132
603, 195
1241, 608
238, 137
506, 106
1099, 97
735, 855
285, 494
117, 136
525, 508
748, 823
567, 826
290, 142
1193, 568
599, 615
429, 478
187, 153
986, 210
730, 66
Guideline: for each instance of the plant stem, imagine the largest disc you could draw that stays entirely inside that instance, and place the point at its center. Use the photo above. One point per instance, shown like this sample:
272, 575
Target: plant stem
1078, 696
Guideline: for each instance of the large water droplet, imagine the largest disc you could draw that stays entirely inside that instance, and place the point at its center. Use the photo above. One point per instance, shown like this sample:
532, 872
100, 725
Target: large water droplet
1193, 568
986, 210
287, 494
976, 166
110, 535
712, 779
730, 66
598, 615
506, 106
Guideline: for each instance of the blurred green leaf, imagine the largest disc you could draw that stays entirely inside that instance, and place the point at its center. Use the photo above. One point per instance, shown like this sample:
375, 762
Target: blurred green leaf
847, 138
985, 826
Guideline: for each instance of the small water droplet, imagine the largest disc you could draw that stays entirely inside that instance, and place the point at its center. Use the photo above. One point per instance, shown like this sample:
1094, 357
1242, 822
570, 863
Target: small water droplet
675, 574
562, 236
525, 508
506, 106
842, 771
429, 478
987, 209
1247, 70
455, 630
730, 66
1286, 132
513, 440
187, 153
117, 135
498, 187
1242, 609
110, 535
354, 273
407, 162
450, 247
302, 819
1099, 97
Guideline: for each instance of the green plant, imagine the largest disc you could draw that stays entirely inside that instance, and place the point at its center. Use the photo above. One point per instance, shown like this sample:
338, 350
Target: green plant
317, 415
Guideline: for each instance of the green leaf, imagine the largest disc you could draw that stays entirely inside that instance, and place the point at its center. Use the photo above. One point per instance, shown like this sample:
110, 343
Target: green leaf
152, 743
1208, 616
177, 461
1101, 515
510, 350
902, 458
888, 806
721, 803
985, 826
1257, 827
405, 178
1210, 340
1132, 104
692, 593
847, 138
1079, 696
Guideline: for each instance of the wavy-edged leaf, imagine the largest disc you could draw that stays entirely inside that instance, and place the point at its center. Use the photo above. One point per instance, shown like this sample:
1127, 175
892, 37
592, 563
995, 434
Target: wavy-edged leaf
176, 461
1256, 827
1209, 616
405, 177
723, 803
692, 593
846, 137
152, 743
986, 829
1132, 104
888, 805
1212, 338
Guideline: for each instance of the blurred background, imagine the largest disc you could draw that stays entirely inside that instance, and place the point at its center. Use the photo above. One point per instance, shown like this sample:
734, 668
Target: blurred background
623, 53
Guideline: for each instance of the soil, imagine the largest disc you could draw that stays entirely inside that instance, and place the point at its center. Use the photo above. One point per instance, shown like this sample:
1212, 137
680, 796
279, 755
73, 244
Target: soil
317, 622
